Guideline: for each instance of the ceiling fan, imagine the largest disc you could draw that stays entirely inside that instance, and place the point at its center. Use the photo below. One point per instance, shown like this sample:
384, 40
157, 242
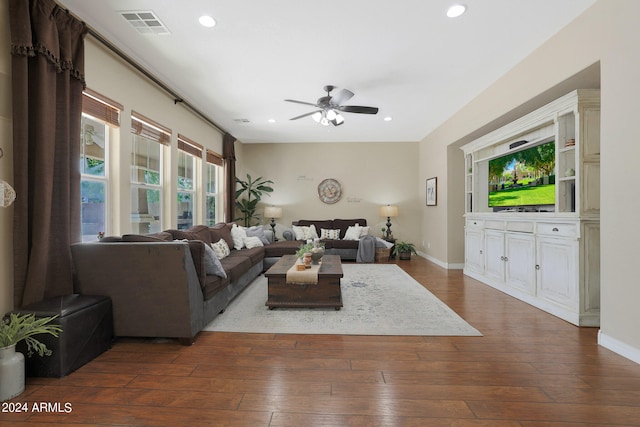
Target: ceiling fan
329, 107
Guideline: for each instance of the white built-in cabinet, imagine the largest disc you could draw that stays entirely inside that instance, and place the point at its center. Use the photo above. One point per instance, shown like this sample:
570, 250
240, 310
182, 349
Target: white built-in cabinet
548, 257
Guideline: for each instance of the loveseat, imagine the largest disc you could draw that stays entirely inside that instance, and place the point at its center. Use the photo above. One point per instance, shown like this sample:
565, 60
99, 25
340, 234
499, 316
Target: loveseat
159, 283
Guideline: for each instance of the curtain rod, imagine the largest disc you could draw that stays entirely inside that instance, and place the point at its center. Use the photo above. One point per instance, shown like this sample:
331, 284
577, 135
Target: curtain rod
176, 98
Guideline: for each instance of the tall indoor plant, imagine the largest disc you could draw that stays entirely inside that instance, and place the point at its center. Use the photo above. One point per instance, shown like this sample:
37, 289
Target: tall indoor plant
254, 189
13, 329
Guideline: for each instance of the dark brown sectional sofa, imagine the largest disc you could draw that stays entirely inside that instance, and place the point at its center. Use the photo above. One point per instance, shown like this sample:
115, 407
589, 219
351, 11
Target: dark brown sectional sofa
158, 283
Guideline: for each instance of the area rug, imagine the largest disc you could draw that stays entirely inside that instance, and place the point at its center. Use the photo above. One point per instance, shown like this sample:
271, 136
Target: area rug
379, 299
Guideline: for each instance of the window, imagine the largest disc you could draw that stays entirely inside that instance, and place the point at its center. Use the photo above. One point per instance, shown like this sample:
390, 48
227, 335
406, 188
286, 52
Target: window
149, 139
99, 116
188, 154
214, 162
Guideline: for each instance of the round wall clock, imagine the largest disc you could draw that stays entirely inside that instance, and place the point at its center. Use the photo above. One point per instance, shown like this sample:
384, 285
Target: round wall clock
329, 191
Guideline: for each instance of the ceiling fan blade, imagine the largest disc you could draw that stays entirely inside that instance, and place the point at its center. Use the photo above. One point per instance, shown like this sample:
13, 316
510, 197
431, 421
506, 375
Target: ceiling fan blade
305, 115
300, 102
342, 96
358, 109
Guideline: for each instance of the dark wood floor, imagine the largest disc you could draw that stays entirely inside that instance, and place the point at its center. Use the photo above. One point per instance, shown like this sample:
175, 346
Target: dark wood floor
529, 369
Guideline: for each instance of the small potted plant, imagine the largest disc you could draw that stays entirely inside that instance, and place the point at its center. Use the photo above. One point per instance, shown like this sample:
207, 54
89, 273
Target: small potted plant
404, 250
303, 249
13, 329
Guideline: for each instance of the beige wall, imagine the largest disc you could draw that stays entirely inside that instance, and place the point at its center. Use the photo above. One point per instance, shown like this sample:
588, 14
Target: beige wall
607, 32
137, 93
371, 174
6, 163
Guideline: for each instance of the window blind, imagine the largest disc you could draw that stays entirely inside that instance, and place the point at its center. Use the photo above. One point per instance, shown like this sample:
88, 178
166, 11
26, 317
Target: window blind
101, 107
189, 146
143, 126
214, 158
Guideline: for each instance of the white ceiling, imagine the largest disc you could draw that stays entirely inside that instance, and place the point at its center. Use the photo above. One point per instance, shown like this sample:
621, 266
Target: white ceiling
406, 57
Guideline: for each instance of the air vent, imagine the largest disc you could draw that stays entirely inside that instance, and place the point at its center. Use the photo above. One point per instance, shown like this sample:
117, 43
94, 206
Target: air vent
241, 120
145, 22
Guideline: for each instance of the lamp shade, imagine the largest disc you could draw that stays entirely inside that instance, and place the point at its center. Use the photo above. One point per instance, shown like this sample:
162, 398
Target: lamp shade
272, 212
389, 211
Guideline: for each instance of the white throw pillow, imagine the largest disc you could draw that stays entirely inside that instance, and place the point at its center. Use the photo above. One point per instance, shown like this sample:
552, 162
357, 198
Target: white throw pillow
252, 242
353, 232
329, 234
221, 249
258, 231
304, 232
238, 235
364, 231
212, 263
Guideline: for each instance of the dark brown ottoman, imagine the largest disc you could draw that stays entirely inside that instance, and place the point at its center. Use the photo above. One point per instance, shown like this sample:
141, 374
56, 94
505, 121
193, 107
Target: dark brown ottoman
87, 331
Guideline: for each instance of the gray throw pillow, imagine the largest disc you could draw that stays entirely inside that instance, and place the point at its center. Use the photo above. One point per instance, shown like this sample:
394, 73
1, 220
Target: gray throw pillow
212, 263
258, 232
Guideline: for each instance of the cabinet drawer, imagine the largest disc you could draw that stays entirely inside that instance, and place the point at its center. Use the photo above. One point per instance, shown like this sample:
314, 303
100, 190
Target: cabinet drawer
494, 225
522, 227
558, 229
475, 223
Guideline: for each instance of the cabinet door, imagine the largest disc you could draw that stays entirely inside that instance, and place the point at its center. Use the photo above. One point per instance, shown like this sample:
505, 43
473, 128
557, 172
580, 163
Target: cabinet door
494, 255
474, 250
520, 262
557, 275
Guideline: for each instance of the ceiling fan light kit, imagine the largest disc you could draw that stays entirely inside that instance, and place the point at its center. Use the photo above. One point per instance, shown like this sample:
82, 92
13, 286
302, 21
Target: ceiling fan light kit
331, 106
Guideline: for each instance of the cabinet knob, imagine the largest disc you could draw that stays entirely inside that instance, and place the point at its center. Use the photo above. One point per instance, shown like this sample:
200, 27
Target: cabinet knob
501, 258
506, 259
480, 252
555, 229
537, 266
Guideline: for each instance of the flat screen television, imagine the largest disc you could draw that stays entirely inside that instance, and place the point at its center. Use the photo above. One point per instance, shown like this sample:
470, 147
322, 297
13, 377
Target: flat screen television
524, 178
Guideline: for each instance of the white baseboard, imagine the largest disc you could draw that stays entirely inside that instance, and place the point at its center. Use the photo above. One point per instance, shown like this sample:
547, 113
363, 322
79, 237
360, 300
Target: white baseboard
441, 263
619, 347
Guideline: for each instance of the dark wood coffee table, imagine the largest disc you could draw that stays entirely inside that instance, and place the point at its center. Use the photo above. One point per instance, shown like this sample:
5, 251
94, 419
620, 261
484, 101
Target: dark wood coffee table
325, 294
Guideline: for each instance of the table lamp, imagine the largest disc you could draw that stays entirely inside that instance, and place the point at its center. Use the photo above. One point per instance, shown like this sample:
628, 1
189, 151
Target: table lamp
390, 212
273, 213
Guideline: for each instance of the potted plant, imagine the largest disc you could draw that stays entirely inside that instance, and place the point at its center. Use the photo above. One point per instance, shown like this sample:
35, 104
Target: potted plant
254, 188
13, 329
404, 250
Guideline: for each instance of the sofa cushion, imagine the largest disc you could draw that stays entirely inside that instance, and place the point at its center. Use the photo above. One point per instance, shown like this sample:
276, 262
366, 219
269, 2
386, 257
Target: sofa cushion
319, 224
254, 254
305, 232
221, 231
343, 224
236, 265
238, 235
221, 249
282, 247
162, 236
199, 232
213, 285
330, 234
344, 244
252, 242
353, 232
212, 263
257, 231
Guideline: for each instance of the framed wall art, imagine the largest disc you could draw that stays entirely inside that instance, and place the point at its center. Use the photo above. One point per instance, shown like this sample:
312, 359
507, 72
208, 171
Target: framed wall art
432, 191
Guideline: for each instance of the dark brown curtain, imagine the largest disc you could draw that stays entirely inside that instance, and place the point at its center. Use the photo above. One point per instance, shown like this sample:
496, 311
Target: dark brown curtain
229, 156
47, 47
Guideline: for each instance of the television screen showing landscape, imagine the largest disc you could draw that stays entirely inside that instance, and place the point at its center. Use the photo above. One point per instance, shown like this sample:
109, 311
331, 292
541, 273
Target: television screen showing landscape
523, 178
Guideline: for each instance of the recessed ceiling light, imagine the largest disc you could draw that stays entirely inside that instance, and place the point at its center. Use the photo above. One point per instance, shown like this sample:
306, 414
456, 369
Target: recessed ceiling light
207, 21
271, 120
388, 119
456, 10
